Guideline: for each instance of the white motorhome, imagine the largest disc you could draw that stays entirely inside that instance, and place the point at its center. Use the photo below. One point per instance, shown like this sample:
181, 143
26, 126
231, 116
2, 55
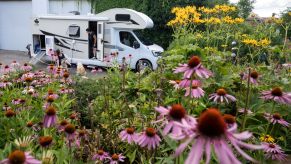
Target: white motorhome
112, 27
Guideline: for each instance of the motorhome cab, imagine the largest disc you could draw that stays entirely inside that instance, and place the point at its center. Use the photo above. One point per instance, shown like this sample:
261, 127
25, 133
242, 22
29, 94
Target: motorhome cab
115, 31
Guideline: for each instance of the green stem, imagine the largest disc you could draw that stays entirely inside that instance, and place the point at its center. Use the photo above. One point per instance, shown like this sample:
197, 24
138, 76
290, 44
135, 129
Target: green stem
273, 107
247, 100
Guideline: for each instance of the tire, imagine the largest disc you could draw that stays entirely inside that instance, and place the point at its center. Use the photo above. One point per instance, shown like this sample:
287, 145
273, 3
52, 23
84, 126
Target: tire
144, 63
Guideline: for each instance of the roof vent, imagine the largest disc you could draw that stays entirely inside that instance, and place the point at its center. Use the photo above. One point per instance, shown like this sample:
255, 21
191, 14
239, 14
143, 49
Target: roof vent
75, 12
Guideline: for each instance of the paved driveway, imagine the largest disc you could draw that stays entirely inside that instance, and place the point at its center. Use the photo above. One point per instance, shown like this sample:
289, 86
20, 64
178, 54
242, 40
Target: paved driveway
8, 56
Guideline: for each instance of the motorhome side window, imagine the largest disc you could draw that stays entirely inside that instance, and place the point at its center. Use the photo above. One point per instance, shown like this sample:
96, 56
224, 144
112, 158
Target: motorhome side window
74, 31
126, 38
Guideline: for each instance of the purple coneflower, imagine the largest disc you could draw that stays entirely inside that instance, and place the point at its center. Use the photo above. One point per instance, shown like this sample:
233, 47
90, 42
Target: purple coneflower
26, 67
276, 118
274, 151
50, 117
6, 69
15, 101
229, 120
242, 110
20, 157
193, 66
100, 155
175, 83
52, 94
66, 90
45, 141
195, 91
15, 65
221, 95
276, 94
70, 132
116, 158
5, 83
6, 107
186, 83
171, 114
82, 134
211, 130
10, 113
149, 138
254, 76
51, 69
128, 135
62, 125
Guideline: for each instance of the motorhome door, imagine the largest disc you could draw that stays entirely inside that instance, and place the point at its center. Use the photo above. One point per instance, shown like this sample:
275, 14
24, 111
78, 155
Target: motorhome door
100, 40
49, 44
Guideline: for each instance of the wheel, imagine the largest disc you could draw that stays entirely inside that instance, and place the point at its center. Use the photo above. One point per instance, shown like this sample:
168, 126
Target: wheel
142, 64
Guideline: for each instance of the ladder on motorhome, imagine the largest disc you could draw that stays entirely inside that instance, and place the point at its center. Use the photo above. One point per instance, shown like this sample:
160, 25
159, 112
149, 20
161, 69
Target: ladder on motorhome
37, 57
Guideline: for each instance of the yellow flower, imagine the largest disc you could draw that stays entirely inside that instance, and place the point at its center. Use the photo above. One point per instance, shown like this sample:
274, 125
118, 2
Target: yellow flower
228, 20
224, 8
251, 42
264, 42
267, 138
239, 20
212, 20
244, 35
224, 45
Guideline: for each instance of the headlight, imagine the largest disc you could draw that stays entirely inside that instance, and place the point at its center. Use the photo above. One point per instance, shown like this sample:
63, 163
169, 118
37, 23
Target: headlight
156, 53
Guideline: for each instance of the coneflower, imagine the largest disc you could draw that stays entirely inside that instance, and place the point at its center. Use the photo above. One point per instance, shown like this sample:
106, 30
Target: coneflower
5, 84
10, 113
15, 65
254, 76
194, 66
70, 132
20, 157
62, 125
149, 138
45, 141
168, 117
100, 155
50, 117
6, 69
274, 151
229, 120
26, 67
128, 135
195, 91
29, 124
221, 95
211, 131
276, 118
116, 158
277, 95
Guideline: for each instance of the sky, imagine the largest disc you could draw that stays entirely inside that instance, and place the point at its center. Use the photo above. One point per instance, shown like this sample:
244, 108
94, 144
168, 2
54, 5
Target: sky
265, 8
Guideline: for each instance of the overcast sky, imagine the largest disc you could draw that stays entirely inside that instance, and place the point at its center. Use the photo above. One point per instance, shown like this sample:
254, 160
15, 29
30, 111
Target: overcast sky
265, 8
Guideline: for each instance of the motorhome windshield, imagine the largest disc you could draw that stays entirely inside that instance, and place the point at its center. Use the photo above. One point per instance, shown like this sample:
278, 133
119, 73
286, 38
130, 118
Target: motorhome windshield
143, 39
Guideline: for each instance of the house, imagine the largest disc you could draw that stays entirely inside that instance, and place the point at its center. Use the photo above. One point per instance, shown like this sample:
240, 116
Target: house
16, 17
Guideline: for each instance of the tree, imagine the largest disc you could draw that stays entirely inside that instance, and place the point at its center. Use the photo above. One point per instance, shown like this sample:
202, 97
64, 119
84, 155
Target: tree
158, 10
245, 7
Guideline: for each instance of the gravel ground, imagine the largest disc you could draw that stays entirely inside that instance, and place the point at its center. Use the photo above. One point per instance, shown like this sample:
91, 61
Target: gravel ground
8, 56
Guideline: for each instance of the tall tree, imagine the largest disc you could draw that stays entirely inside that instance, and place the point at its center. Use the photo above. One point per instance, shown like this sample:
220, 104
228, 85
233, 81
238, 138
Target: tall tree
158, 10
245, 7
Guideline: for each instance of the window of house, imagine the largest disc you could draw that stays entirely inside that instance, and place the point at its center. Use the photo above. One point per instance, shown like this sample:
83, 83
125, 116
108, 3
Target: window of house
127, 38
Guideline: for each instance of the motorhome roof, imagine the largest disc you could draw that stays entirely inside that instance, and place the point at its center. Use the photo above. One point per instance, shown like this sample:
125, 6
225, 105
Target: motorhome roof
75, 17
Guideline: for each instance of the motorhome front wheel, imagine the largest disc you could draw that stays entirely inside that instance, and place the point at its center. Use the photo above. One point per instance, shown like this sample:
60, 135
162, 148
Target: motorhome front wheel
142, 64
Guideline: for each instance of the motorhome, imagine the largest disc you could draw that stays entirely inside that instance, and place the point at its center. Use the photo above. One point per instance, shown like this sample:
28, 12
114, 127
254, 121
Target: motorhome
116, 36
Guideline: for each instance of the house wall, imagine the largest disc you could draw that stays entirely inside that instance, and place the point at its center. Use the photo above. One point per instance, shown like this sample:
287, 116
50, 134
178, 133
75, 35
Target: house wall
15, 27
16, 18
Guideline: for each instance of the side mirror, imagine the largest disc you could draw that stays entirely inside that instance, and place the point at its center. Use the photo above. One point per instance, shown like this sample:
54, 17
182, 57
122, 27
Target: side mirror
136, 45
